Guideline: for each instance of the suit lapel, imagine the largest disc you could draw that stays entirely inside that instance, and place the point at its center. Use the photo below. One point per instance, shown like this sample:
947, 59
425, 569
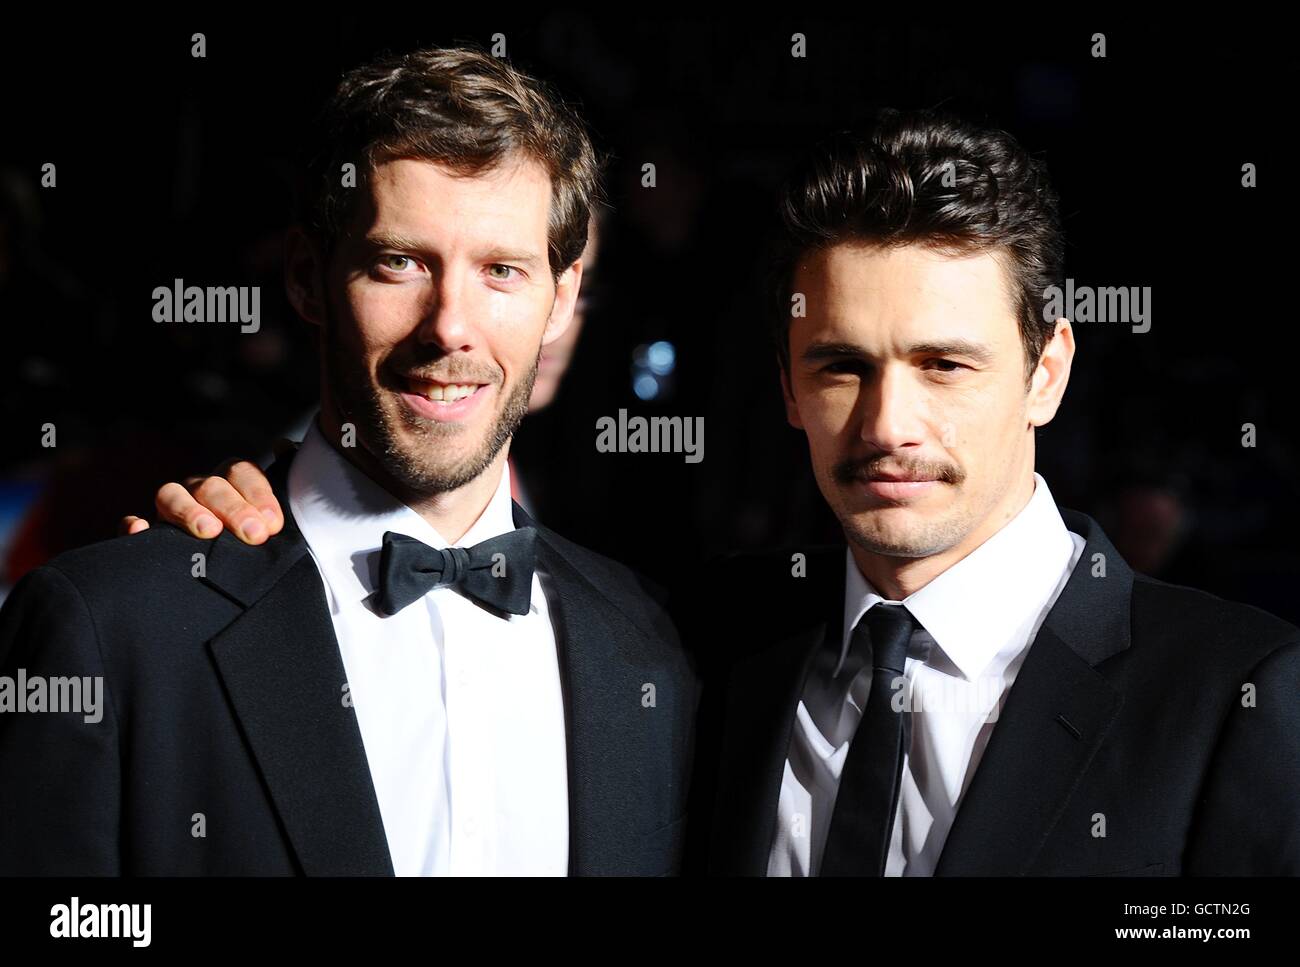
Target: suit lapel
1052, 723
281, 666
601, 674
1032, 762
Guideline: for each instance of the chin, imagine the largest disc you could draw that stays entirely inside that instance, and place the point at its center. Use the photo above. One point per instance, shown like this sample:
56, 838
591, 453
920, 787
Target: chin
888, 543
426, 479
900, 532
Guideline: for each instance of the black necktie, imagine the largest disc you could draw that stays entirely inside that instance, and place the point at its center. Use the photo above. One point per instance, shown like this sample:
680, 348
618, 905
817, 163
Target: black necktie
497, 572
857, 843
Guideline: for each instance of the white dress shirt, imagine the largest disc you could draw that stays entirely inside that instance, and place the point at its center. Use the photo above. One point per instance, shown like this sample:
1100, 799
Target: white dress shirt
976, 622
461, 711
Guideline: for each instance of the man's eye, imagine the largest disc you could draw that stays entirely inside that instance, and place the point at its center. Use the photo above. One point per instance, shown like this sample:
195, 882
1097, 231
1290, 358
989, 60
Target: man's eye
946, 365
500, 272
396, 262
843, 366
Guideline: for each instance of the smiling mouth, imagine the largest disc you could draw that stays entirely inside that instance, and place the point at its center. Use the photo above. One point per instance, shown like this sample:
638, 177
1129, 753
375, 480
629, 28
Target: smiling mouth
438, 392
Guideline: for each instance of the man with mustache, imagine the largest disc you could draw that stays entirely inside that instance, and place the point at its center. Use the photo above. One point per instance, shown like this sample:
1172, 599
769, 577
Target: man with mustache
413, 678
975, 683
978, 684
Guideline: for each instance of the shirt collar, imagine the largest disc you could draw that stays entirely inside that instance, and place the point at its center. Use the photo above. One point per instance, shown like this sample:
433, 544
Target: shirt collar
343, 516
976, 607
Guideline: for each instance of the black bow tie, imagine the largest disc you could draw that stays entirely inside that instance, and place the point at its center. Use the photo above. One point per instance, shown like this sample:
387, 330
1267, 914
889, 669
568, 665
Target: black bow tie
497, 572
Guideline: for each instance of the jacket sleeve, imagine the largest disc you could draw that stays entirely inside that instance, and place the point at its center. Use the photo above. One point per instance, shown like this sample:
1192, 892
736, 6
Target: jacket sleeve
1248, 811
60, 775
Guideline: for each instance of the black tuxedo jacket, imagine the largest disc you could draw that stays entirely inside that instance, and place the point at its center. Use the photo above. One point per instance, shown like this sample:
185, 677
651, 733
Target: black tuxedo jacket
225, 699
1127, 715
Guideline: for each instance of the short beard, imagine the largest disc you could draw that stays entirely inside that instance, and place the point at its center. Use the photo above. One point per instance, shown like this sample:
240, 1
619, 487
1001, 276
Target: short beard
934, 538
361, 402
927, 537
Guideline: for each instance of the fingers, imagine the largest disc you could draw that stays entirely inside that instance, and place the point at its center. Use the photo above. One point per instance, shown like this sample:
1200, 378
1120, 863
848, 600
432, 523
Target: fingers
238, 496
247, 478
132, 525
176, 506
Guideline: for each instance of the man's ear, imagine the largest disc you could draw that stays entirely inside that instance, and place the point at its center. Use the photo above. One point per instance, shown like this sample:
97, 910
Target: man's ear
304, 275
1047, 386
566, 298
791, 407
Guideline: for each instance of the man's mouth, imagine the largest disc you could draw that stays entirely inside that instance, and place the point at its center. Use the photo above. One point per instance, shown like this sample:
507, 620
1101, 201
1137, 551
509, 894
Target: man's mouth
445, 402
441, 392
899, 478
898, 487
898, 490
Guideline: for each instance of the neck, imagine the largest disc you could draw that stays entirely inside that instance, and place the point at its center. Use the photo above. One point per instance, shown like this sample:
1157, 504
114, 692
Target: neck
898, 577
451, 512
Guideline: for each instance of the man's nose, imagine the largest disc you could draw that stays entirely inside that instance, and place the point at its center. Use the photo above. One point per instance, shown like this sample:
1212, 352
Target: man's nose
447, 321
891, 410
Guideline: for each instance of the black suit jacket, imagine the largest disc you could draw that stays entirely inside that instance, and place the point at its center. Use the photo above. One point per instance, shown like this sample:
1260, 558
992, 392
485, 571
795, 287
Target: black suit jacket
1129, 706
225, 698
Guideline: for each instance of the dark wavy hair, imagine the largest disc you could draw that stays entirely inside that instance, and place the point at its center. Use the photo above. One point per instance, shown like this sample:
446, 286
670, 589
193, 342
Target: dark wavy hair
458, 107
922, 177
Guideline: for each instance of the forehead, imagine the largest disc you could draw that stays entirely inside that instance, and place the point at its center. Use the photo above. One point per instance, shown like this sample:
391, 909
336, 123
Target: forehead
509, 202
905, 288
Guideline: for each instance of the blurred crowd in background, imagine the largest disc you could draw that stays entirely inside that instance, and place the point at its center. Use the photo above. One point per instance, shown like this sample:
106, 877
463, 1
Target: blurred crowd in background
173, 167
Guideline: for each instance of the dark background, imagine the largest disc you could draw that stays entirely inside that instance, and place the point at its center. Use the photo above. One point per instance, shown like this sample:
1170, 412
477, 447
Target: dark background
170, 166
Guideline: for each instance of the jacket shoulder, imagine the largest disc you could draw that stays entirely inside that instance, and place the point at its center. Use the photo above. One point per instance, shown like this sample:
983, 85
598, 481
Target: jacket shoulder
1213, 630
159, 553
151, 580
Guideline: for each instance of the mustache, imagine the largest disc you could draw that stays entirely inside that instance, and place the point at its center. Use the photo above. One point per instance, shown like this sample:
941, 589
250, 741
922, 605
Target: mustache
852, 469
443, 368
452, 372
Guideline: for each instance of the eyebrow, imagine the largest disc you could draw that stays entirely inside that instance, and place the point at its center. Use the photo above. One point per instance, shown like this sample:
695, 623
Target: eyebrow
392, 240
405, 243
513, 255
953, 347
818, 352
